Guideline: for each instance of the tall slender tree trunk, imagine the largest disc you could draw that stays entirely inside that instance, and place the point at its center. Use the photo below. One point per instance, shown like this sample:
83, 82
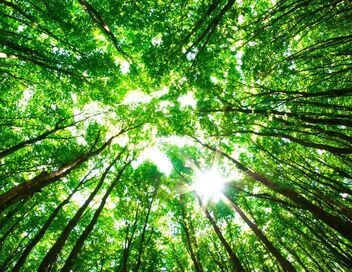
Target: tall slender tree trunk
342, 120
98, 19
79, 244
234, 259
14, 226
43, 230
341, 226
197, 265
329, 148
285, 264
13, 255
200, 22
141, 242
127, 246
44, 179
213, 24
51, 256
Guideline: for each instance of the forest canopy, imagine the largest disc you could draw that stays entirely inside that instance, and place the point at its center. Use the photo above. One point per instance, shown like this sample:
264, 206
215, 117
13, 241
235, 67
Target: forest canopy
200, 135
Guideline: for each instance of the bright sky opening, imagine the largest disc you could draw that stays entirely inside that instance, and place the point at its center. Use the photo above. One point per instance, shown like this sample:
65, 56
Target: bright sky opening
208, 185
154, 155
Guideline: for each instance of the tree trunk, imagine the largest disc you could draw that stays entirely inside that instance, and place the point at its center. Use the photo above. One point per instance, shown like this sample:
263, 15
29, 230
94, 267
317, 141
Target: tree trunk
197, 265
285, 264
329, 148
43, 230
97, 18
234, 259
79, 244
141, 242
342, 120
127, 246
200, 22
213, 24
341, 226
52, 254
44, 179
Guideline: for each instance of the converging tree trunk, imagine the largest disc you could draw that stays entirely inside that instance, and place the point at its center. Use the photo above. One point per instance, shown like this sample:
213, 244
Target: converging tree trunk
343, 227
35, 184
234, 259
45, 227
51, 256
285, 264
80, 242
141, 241
191, 250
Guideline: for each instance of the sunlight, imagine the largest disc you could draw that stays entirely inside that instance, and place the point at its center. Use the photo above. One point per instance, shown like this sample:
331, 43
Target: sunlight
178, 141
154, 155
79, 198
133, 97
27, 96
208, 185
125, 67
187, 100
158, 39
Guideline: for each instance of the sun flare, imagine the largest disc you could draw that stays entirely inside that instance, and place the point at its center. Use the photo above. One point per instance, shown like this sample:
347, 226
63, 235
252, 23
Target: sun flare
208, 185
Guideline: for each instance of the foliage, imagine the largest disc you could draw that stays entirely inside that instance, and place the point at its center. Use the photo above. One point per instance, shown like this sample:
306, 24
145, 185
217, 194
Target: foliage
109, 111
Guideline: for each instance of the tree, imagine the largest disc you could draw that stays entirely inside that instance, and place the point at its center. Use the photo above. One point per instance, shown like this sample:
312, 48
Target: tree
175, 135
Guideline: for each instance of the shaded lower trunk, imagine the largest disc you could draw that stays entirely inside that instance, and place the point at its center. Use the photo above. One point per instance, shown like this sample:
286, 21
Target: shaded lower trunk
43, 230
141, 242
127, 245
197, 265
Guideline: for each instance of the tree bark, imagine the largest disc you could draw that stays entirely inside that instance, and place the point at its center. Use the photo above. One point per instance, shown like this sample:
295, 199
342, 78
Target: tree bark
43, 230
285, 264
79, 244
141, 242
329, 148
127, 245
197, 265
44, 179
200, 22
213, 24
51, 256
345, 121
97, 18
234, 259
